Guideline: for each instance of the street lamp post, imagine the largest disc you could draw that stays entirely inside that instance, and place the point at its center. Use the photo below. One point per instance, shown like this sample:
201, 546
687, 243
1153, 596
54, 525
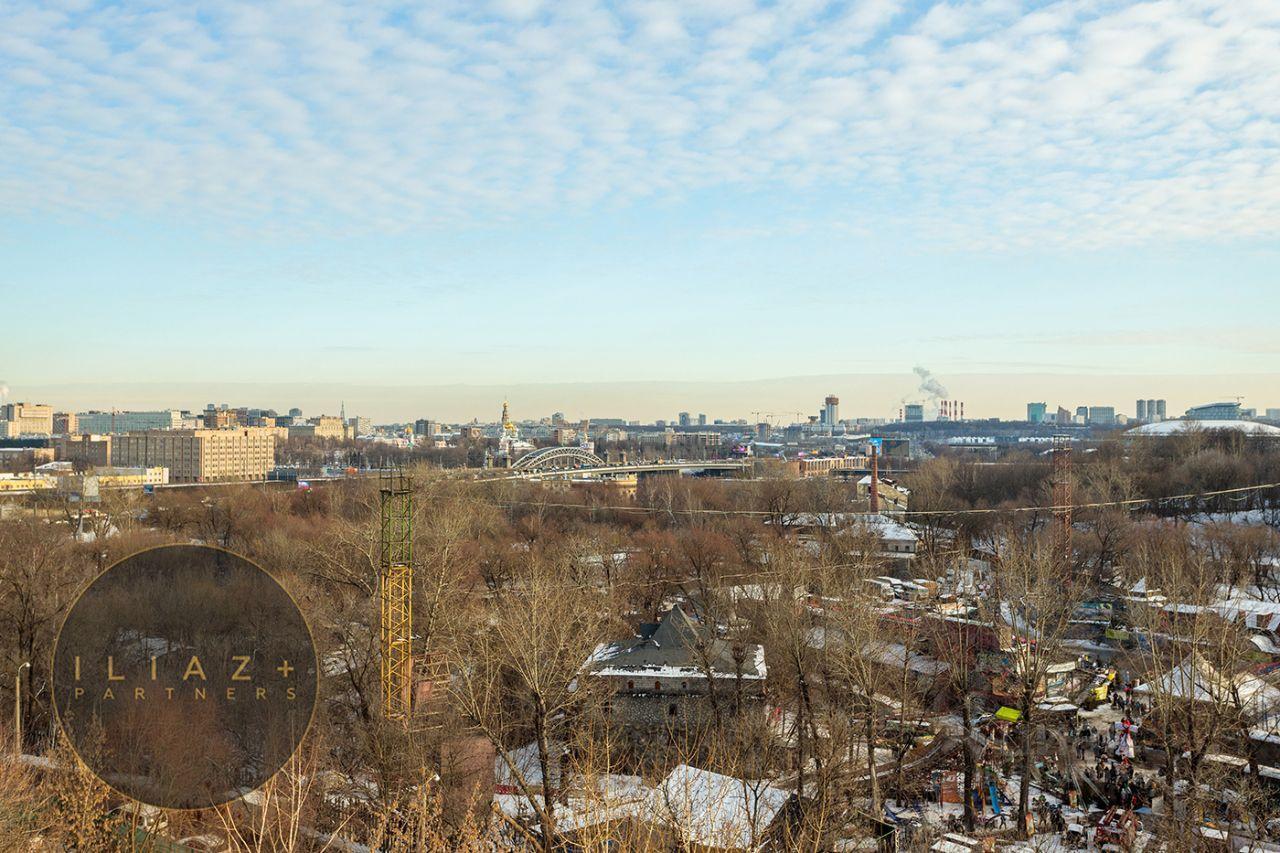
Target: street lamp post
17, 709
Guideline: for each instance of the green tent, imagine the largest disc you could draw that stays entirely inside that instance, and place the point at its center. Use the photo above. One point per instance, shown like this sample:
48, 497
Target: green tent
1008, 715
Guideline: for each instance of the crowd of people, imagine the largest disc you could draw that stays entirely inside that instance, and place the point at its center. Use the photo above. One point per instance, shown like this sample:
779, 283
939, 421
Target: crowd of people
1112, 779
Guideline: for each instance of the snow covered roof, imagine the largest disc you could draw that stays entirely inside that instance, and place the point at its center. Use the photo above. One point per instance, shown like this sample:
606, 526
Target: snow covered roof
893, 655
525, 759
1185, 425
1196, 678
866, 481
896, 654
713, 810
1237, 606
882, 525
1264, 644
677, 647
888, 528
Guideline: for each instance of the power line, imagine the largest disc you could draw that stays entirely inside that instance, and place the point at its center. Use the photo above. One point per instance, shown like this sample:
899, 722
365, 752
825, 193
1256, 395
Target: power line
1050, 508
800, 569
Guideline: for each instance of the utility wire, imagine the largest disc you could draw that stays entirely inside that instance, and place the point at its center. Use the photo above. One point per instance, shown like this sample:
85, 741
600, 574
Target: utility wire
509, 503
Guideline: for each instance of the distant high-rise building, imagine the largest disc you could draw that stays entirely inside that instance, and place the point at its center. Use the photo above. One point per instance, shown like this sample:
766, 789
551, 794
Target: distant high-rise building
831, 408
26, 419
762, 431
1082, 413
1160, 409
684, 419
1140, 410
913, 412
295, 412
425, 427
1036, 412
702, 420
1102, 415
1273, 414
1063, 416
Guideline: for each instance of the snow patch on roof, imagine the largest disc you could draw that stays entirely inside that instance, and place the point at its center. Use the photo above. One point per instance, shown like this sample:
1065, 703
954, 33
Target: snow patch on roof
712, 810
1186, 425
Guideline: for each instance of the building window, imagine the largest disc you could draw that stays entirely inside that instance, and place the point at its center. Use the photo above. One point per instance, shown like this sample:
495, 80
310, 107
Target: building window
631, 685
671, 710
657, 687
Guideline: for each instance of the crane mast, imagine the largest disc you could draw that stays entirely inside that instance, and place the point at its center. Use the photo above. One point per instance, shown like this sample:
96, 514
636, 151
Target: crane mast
395, 593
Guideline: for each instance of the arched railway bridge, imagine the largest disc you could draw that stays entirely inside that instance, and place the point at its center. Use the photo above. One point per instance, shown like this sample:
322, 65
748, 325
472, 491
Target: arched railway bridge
556, 458
579, 463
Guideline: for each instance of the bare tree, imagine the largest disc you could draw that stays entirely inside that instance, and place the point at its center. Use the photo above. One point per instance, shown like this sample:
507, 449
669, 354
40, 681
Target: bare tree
1035, 594
41, 571
517, 675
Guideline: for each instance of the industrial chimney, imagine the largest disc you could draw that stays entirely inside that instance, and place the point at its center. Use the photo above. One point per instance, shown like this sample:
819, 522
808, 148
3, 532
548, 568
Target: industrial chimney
874, 491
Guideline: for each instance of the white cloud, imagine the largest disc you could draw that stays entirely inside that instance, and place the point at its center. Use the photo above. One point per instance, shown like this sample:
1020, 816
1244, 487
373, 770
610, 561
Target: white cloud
978, 124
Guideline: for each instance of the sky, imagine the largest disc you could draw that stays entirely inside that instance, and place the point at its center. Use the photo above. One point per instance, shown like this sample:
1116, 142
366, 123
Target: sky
709, 196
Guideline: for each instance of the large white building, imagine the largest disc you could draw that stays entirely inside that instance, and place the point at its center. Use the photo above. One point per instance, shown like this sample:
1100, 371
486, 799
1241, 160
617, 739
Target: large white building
18, 419
104, 423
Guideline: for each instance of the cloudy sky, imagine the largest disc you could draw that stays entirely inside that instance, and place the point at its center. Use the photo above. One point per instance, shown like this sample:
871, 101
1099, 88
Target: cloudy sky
522, 192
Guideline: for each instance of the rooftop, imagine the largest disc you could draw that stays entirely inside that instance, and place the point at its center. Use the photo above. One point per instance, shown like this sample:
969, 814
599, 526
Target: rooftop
678, 646
1175, 427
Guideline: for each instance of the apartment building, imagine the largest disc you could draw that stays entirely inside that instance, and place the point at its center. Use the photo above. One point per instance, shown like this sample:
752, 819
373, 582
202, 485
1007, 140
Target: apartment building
88, 450
200, 455
65, 423
17, 419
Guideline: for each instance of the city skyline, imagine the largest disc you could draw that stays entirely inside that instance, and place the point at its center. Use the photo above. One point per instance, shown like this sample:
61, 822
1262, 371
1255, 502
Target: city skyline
861, 395
517, 193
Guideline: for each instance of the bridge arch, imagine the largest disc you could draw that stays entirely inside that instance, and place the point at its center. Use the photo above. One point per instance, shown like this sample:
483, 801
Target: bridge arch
552, 458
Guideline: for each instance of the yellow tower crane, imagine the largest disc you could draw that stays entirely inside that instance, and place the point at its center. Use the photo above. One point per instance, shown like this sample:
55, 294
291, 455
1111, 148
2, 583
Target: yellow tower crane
395, 593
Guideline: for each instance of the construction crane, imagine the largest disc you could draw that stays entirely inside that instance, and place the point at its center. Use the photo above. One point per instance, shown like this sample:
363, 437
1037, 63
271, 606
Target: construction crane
395, 593
771, 416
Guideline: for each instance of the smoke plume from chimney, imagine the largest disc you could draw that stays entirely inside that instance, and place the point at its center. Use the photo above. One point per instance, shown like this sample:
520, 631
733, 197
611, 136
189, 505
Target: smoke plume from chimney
929, 384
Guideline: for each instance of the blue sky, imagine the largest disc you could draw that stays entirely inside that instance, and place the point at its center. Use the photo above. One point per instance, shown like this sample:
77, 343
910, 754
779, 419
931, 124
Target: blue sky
515, 192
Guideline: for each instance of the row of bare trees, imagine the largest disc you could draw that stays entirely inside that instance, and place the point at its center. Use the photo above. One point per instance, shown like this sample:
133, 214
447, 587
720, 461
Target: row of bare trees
515, 587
